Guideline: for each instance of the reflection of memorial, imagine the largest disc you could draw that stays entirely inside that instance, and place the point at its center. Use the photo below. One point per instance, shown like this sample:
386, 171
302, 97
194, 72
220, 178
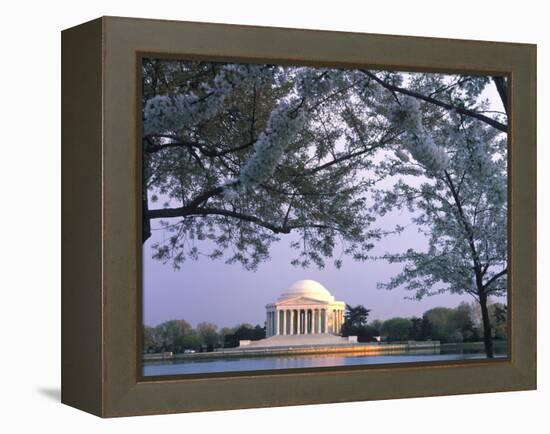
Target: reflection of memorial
306, 314
306, 308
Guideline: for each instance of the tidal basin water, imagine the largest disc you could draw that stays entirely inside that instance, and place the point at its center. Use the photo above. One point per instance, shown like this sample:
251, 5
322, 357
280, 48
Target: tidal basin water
236, 364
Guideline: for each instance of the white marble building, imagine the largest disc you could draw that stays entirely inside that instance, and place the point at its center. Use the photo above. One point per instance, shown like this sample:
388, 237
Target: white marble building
305, 308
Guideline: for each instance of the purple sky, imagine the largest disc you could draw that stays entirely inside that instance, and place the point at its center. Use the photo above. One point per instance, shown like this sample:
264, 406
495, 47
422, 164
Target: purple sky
208, 290
226, 295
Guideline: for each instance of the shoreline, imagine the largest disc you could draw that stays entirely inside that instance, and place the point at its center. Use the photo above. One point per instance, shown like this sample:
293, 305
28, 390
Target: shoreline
355, 348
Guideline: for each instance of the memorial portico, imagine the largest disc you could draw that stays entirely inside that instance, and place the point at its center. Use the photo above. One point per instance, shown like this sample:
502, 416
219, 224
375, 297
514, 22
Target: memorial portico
305, 308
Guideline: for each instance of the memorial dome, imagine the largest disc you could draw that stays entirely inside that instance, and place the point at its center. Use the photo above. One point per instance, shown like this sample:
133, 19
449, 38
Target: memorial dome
308, 289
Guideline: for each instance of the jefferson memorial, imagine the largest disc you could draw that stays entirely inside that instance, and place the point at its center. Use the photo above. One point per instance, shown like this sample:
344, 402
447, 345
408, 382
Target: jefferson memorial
305, 315
305, 308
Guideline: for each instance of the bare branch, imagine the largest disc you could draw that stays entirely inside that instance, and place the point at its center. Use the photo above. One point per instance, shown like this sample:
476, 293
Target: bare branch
492, 122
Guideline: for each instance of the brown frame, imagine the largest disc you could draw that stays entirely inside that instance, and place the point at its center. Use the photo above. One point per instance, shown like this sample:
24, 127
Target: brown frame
100, 210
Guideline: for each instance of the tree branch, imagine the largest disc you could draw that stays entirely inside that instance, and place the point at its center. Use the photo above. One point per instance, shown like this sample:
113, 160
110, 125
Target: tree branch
468, 230
387, 139
492, 122
495, 277
188, 212
180, 143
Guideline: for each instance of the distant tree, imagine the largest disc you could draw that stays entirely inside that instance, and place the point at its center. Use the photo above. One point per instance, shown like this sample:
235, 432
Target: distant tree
208, 333
151, 339
465, 321
357, 316
244, 332
226, 331
443, 325
355, 323
259, 333
396, 329
191, 340
426, 330
172, 333
366, 333
498, 313
376, 327
416, 329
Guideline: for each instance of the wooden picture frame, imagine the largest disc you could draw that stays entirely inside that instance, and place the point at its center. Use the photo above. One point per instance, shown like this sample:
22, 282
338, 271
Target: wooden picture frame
101, 261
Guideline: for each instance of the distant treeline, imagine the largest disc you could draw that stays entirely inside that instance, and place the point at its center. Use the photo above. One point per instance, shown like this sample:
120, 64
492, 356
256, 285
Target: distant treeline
178, 335
461, 324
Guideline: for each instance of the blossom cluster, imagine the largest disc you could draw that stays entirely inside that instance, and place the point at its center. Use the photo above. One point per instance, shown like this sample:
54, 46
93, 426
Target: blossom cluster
406, 115
313, 84
164, 113
286, 120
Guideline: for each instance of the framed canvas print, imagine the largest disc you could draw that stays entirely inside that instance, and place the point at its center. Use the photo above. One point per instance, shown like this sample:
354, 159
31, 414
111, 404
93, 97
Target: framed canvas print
261, 217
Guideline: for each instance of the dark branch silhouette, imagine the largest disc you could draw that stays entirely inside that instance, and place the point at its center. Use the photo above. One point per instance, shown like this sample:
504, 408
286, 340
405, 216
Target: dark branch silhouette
494, 123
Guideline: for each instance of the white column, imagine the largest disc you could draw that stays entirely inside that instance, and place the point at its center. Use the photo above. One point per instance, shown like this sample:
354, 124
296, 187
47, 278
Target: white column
291, 332
267, 324
306, 326
289, 326
326, 320
284, 321
314, 319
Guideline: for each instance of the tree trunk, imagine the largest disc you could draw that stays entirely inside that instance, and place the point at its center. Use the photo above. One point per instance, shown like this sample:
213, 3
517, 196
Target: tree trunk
502, 90
487, 331
145, 221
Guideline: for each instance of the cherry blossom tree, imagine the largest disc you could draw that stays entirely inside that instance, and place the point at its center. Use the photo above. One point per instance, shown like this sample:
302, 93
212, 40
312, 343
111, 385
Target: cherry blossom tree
240, 154
460, 204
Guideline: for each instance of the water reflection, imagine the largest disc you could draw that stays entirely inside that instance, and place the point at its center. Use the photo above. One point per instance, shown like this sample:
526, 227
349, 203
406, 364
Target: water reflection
236, 364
